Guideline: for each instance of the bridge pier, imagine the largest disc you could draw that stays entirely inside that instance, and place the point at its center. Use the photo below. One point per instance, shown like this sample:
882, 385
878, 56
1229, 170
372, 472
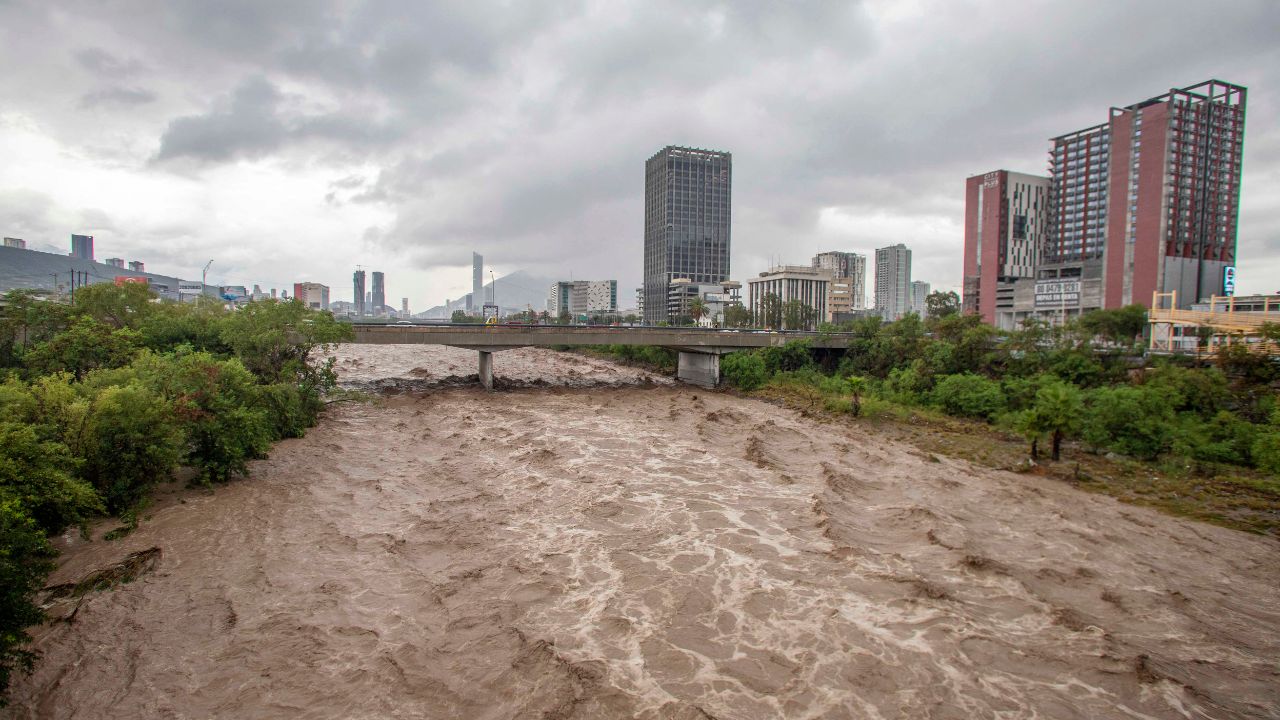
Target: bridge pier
486, 369
695, 368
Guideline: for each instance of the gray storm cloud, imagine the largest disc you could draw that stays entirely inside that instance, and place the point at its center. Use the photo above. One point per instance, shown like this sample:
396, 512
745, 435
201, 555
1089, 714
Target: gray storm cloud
521, 131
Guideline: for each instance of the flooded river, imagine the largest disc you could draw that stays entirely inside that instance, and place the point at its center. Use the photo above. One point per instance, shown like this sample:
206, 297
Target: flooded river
592, 542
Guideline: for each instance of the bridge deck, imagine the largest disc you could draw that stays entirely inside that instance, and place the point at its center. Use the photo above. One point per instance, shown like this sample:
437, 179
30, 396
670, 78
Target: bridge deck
497, 337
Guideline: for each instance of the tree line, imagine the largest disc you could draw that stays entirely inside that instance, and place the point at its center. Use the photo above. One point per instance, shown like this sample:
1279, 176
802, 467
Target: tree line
106, 396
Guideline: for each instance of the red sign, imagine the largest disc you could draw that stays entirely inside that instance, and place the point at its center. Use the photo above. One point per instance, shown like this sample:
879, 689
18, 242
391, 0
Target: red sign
122, 279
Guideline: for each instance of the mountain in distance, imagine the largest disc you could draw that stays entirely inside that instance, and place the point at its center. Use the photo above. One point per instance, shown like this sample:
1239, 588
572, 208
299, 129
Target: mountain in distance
518, 291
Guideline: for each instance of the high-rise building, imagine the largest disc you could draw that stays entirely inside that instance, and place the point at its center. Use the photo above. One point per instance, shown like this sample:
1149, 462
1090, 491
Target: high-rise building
378, 293
357, 293
919, 297
893, 281
82, 247
404, 306
312, 294
583, 297
476, 299
137, 266
115, 262
1006, 214
602, 296
1148, 201
18, 243
847, 266
687, 212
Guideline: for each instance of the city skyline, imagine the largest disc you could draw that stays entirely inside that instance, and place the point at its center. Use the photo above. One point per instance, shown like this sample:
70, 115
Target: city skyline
169, 142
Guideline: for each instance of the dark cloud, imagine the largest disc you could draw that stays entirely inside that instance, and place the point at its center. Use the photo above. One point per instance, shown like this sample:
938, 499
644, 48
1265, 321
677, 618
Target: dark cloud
521, 130
243, 125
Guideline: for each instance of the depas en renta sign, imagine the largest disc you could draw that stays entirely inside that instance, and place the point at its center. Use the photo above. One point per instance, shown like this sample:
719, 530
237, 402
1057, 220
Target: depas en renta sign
1229, 280
1057, 293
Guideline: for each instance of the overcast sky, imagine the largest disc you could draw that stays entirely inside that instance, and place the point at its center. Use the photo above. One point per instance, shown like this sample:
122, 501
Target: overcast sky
293, 140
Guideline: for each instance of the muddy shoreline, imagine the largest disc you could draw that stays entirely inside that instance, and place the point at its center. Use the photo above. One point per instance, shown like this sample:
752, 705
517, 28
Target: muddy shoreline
597, 542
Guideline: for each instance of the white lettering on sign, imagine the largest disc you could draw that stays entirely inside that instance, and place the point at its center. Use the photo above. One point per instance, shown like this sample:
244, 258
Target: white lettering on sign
1057, 293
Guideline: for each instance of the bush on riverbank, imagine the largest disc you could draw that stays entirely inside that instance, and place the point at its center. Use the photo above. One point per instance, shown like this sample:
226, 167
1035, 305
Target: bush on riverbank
103, 398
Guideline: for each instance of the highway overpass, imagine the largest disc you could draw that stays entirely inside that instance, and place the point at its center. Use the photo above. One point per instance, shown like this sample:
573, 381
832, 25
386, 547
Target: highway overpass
699, 348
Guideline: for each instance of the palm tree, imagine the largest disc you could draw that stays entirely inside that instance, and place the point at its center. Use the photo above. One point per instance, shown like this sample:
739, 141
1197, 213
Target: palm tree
697, 309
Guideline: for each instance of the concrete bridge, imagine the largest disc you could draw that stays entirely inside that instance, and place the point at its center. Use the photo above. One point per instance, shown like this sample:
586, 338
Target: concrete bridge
699, 348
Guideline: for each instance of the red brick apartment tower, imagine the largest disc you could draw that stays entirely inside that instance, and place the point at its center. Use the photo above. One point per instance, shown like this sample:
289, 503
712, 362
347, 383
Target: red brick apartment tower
1078, 164
1175, 180
1004, 227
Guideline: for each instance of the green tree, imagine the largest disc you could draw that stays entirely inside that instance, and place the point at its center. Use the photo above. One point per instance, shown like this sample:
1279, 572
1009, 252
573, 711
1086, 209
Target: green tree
117, 306
217, 404
1129, 420
939, 304
39, 475
744, 370
1057, 411
129, 441
791, 356
1120, 325
86, 345
26, 559
796, 315
968, 395
769, 313
27, 319
736, 316
275, 340
856, 386
697, 309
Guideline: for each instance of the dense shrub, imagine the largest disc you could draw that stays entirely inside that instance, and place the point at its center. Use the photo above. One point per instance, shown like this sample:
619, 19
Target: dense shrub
86, 345
218, 406
1129, 420
744, 370
792, 356
26, 559
1265, 450
39, 475
129, 442
968, 395
1203, 391
291, 408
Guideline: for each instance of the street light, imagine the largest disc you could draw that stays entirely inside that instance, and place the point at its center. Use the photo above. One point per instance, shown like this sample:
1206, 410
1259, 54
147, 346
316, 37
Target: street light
493, 290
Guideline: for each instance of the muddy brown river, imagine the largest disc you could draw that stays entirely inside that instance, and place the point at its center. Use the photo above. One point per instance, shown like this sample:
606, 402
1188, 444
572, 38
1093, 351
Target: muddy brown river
594, 542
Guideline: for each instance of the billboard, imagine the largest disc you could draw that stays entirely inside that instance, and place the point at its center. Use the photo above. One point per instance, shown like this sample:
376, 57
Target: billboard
190, 288
122, 279
1229, 280
1057, 293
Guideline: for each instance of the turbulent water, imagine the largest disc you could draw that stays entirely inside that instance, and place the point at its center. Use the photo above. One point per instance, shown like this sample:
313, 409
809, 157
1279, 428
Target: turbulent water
609, 545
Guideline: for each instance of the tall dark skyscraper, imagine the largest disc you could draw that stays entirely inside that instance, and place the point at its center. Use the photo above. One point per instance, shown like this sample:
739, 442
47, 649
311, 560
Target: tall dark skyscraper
477, 298
686, 222
82, 246
379, 293
358, 292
